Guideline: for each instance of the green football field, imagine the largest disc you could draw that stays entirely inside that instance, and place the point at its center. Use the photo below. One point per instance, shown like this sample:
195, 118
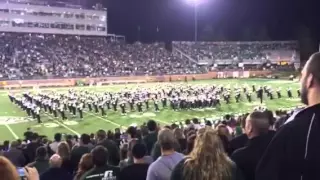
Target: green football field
14, 121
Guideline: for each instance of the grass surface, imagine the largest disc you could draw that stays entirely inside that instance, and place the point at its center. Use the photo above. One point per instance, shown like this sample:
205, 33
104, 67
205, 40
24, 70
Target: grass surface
13, 121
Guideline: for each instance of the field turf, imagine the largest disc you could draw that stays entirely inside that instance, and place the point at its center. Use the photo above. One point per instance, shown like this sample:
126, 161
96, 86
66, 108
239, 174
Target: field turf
13, 121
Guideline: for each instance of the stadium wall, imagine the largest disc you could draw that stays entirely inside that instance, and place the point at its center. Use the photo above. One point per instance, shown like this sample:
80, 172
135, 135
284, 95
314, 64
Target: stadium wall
129, 79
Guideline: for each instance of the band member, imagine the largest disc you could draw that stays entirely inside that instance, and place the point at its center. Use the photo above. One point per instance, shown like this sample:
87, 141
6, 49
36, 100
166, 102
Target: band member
299, 93
123, 107
80, 107
156, 105
49, 106
89, 102
61, 110
164, 102
289, 92
74, 108
54, 110
260, 94
139, 106
95, 105
249, 97
101, 106
146, 101
131, 103
279, 93
114, 105
37, 113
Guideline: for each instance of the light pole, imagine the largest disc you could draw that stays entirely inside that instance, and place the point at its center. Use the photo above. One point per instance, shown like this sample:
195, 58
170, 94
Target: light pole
195, 4
195, 21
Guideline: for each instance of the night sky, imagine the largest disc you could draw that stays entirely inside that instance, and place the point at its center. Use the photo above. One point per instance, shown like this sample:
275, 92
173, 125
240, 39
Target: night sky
234, 20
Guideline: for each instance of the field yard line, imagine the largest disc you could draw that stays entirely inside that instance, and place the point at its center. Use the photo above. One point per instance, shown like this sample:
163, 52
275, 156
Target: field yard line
61, 124
164, 122
13, 133
106, 120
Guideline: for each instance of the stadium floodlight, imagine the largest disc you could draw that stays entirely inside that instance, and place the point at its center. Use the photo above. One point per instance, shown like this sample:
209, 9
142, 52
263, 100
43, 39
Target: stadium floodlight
195, 4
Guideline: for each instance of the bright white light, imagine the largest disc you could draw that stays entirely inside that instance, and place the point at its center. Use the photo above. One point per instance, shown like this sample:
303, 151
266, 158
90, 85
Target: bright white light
193, 2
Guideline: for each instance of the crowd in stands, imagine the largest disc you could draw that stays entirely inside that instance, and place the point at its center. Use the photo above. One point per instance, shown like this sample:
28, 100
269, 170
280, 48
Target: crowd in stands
236, 50
28, 56
149, 152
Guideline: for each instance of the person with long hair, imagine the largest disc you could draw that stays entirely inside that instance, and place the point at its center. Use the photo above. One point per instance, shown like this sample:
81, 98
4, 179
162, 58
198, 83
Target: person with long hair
85, 165
207, 161
64, 152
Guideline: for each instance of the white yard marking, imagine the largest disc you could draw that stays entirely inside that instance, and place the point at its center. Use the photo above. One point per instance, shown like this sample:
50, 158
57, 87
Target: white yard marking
61, 124
12, 132
106, 120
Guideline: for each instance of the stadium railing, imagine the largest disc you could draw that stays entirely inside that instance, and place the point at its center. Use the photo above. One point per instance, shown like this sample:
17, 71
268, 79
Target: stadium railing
129, 79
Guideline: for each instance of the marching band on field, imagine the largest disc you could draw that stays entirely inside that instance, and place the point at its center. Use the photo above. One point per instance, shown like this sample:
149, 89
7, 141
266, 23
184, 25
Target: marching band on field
177, 97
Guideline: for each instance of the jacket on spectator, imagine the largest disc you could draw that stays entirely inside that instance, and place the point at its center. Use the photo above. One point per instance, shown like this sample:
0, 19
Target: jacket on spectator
77, 153
113, 150
40, 164
248, 157
98, 173
56, 173
150, 140
238, 142
293, 152
30, 151
16, 156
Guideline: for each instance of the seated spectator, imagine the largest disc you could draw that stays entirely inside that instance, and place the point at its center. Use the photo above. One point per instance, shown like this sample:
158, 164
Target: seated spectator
64, 152
207, 160
41, 163
7, 170
152, 136
78, 151
257, 130
110, 145
161, 169
138, 170
57, 140
55, 171
101, 167
15, 155
85, 165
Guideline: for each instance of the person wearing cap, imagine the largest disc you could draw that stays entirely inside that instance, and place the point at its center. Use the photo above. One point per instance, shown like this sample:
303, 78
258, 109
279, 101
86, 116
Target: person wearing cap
161, 169
293, 153
55, 171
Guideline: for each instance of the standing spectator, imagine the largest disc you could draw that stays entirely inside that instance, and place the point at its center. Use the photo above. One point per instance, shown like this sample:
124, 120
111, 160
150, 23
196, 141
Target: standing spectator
178, 134
101, 168
41, 163
78, 151
55, 171
124, 148
15, 155
207, 160
239, 141
138, 170
293, 153
31, 148
152, 136
5, 146
111, 146
57, 140
7, 170
257, 130
85, 165
64, 152
161, 169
